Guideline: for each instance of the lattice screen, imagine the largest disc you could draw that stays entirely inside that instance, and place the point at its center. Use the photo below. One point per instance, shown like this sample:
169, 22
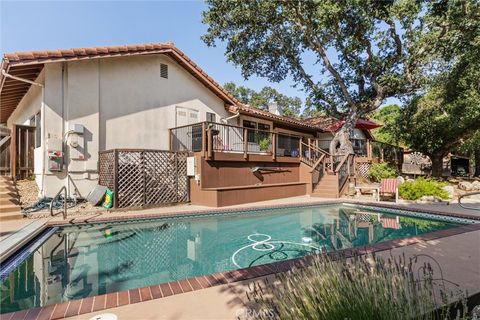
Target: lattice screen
147, 177
106, 170
362, 169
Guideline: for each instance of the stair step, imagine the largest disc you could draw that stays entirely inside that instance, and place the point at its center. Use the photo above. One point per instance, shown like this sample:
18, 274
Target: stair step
9, 208
7, 188
10, 215
327, 195
9, 201
7, 194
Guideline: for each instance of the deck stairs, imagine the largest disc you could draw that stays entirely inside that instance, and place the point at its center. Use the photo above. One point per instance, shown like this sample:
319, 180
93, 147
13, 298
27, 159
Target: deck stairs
330, 174
9, 200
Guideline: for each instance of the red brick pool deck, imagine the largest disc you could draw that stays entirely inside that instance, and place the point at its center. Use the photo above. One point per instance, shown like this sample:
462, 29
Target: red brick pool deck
222, 295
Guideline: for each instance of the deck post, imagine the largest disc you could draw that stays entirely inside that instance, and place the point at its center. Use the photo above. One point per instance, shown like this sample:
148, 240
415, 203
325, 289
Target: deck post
301, 148
170, 138
245, 142
309, 149
274, 145
210, 142
204, 142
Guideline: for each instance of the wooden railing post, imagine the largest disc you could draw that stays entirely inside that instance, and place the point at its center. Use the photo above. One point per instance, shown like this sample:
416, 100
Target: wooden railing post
348, 166
274, 145
210, 142
309, 149
245, 142
204, 139
301, 148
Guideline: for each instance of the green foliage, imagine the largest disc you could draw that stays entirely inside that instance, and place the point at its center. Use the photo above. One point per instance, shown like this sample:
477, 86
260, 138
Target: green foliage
291, 106
414, 190
387, 116
264, 143
448, 114
360, 288
379, 171
269, 38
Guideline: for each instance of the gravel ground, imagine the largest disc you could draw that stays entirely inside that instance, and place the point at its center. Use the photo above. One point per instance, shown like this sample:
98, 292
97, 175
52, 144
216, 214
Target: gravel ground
28, 192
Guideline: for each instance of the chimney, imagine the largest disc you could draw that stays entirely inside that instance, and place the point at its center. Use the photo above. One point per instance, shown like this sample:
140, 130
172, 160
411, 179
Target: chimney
275, 109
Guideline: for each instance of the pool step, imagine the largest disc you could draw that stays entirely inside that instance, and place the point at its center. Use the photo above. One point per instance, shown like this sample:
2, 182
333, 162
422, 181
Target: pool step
9, 200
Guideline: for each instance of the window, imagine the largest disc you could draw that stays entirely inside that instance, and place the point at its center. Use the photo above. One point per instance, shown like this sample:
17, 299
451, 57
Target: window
253, 135
359, 147
211, 117
163, 70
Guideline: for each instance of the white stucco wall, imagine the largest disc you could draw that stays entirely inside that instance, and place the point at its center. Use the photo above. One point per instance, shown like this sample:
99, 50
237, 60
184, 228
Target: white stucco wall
28, 107
143, 104
121, 102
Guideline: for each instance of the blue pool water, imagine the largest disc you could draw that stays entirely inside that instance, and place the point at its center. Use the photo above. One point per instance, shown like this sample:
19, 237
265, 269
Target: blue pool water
87, 260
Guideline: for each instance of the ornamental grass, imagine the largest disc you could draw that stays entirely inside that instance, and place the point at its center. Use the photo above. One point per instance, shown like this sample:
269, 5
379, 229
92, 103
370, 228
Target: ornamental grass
359, 288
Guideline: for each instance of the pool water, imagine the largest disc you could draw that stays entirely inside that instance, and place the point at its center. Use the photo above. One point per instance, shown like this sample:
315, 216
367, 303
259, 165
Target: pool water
88, 260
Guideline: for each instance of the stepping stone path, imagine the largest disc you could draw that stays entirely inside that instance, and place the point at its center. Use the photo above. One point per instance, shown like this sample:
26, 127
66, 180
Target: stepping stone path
9, 200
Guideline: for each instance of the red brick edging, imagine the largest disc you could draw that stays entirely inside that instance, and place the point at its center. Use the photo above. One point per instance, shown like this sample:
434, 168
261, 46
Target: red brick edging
126, 297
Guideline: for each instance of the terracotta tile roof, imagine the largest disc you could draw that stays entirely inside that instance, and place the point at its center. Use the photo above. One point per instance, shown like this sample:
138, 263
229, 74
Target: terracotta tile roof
246, 109
332, 124
12, 91
325, 123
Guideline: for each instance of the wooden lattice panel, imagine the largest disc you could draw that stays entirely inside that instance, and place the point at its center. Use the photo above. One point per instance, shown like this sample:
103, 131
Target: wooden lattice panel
145, 177
182, 178
362, 169
131, 187
106, 170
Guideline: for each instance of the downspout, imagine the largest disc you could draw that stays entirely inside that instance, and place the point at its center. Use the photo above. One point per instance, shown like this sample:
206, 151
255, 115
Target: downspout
42, 114
225, 120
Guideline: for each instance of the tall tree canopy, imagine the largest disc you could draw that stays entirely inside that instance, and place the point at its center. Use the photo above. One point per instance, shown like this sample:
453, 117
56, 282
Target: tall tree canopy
291, 106
360, 57
364, 51
448, 114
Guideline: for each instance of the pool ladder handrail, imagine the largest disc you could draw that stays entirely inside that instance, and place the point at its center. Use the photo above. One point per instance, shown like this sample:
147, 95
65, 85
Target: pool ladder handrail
64, 202
467, 195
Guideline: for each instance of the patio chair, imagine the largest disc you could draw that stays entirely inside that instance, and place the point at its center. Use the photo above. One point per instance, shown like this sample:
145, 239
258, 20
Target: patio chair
389, 186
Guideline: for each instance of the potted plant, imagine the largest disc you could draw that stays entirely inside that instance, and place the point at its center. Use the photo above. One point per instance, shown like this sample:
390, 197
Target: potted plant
264, 144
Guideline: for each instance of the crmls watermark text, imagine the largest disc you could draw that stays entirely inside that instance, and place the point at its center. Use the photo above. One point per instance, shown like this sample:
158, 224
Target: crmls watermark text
250, 313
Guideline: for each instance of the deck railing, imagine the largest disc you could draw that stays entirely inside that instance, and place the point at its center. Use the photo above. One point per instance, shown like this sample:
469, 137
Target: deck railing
212, 137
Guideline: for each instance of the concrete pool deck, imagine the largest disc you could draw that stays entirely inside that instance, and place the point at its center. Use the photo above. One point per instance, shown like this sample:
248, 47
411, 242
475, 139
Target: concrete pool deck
227, 301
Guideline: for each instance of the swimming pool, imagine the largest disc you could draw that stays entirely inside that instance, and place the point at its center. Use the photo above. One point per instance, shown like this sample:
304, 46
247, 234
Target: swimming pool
87, 260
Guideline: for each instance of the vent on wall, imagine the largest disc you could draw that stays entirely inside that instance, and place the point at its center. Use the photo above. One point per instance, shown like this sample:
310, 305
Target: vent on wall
163, 70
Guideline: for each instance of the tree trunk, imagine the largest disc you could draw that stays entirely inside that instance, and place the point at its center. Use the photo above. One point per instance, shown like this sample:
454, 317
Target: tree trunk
437, 165
477, 162
341, 143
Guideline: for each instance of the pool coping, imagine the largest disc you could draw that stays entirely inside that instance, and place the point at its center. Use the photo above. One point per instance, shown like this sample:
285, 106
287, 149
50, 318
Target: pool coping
132, 296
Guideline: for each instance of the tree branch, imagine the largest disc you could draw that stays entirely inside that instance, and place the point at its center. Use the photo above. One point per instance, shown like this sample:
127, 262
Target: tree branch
316, 43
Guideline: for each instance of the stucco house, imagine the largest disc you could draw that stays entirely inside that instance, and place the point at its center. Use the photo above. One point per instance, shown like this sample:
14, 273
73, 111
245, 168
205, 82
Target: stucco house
64, 107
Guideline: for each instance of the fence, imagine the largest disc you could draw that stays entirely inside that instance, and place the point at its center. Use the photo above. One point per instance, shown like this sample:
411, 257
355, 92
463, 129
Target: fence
141, 177
385, 152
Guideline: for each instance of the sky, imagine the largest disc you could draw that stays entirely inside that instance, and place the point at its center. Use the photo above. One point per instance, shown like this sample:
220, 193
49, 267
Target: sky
40, 25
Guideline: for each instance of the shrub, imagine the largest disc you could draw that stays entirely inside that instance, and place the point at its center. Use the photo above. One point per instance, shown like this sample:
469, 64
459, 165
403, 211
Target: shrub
379, 171
264, 144
414, 190
357, 288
